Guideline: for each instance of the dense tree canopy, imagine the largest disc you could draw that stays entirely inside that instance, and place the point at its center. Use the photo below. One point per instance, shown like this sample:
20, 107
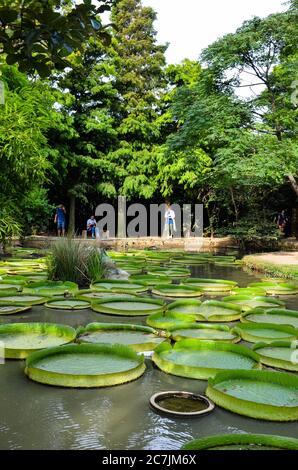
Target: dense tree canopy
112, 118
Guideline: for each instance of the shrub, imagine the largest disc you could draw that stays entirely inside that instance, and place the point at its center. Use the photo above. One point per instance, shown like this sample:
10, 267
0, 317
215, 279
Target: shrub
9, 228
75, 261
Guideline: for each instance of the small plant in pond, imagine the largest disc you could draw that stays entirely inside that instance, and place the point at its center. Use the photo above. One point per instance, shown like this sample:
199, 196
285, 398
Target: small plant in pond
74, 261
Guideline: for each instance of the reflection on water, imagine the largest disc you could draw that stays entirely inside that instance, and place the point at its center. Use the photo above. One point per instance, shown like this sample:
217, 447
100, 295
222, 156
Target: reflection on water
35, 416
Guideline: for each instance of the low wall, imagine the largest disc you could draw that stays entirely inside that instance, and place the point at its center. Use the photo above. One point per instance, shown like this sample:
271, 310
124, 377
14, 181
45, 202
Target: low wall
122, 244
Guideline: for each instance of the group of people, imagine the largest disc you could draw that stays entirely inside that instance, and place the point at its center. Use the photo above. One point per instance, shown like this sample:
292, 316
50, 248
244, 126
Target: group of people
60, 220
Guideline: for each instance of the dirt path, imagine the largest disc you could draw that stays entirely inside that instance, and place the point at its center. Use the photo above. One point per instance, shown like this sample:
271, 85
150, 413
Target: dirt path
285, 258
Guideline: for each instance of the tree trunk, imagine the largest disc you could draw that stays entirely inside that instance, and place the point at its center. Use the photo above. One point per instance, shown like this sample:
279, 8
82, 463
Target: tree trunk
234, 204
294, 183
72, 222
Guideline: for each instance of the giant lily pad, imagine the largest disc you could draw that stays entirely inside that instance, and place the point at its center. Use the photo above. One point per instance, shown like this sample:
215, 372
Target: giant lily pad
243, 442
128, 307
212, 285
50, 288
11, 309
173, 273
22, 299
277, 288
205, 332
150, 279
188, 307
281, 354
91, 295
217, 311
248, 302
275, 316
265, 332
119, 286
6, 289
203, 359
173, 290
166, 320
21, 339
68, 304
85, 365
259, 394
139, 338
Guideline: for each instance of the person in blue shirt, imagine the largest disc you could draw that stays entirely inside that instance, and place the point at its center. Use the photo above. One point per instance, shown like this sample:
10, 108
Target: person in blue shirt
60, 220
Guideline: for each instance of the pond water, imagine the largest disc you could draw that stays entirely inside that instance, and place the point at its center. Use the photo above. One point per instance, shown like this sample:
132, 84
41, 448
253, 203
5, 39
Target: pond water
35, 416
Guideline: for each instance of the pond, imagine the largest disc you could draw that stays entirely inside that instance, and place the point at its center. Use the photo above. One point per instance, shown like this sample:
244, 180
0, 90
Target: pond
35, 416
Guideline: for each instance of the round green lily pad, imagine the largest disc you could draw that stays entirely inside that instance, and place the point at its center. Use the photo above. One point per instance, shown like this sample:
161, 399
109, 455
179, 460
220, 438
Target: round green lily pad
128, 307
7, 289
22, 299
85, 365
119, 286
265, 332
274, 316
11, 309
68, 304
166, 320
21, 339
277, 288
243, 442
281, 354
248, 302
188, 306
203, 359
139, 338
173, 290
212, 285
259, 394
173, 273
218, 311
91, 295
206, 332
150, 279
51, 288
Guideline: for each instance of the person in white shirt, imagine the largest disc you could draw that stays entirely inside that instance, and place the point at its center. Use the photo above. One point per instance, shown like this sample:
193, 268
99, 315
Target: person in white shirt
91, 227
170, 221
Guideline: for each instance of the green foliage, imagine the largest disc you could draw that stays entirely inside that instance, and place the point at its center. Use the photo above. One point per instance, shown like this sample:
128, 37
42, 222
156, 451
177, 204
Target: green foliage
36, 211
39, 35
74, 261
9, 228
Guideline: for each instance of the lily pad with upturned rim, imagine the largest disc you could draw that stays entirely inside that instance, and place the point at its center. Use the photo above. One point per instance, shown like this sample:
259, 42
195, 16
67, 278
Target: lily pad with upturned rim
128, 307
281, 354
243, 442
119, 286
140, 338
166, 320
173, 290
248, 302
21, 339
259, 394
203, 359
85, 365
265, 332
68, 304
51, 288
218, 311
92, 296
12, 309
277, 288
204, 332
212, 285
187, 306
274, 316
22, 299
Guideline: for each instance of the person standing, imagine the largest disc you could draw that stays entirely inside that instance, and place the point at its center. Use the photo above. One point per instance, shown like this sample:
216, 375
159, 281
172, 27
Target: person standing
170, 220
60, 220
91, 227
282, 221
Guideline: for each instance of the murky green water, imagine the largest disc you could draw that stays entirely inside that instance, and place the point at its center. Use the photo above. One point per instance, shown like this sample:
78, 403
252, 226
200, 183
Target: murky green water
35, 416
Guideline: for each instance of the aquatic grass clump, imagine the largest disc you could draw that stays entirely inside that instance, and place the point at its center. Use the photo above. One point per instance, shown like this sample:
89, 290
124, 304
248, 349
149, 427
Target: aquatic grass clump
74, 261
